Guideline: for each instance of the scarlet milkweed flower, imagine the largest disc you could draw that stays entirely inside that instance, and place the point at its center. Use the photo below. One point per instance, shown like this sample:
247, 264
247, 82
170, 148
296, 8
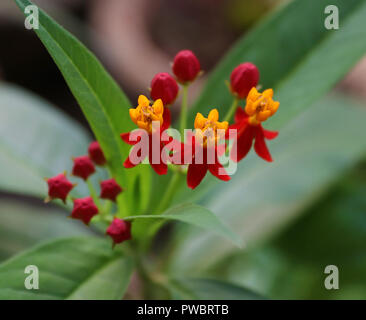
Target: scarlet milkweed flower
143, 116
59, 187
110, 189
164, 87
119, 230
83, 167
248, 122
186, 66
204, 149
243, 78
84, 209
96, 154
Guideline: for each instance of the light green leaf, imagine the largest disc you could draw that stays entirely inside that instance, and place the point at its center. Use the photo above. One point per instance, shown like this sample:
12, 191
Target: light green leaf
194, 215
74, 268
209, 289
102, 101
296, 55
36, 141
310, 154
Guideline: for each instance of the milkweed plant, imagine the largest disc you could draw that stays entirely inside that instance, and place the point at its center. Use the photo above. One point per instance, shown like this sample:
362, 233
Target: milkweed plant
152, 141
157, 159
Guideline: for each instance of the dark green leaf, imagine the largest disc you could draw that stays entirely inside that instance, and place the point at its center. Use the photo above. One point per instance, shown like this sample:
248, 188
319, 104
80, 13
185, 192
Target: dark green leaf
102, 101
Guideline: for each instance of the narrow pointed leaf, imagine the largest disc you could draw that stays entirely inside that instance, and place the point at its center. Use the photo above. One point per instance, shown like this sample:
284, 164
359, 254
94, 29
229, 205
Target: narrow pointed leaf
195, 215
104, 104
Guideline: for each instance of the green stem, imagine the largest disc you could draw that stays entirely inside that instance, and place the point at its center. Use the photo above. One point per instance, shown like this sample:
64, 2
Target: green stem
173, 184
108, 206
169, 193
232, 109
184, 110
93, 193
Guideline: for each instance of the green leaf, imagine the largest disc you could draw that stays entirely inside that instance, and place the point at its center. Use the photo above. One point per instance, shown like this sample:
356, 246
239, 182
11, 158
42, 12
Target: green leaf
296, 55
74, 268
310, 154
25, 224
102, 101
36, 141
194, 215
209, 289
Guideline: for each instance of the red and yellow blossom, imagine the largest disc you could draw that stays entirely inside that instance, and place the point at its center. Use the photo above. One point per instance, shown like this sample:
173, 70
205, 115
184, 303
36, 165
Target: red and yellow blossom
248, 122
204, 149
260, 106
143, 116
208, 129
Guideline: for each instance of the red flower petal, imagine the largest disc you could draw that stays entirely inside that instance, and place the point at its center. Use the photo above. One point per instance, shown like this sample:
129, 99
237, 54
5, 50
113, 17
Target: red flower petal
240, 115
260, 146
195, 174
159, 168
128, 163
126, 137
166, 119
215, 171
270, 134
243, 143
220, 149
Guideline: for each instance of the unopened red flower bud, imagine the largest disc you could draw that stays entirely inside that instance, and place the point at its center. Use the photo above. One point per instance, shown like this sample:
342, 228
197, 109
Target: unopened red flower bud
186, 66
110, 189
83, 167
59, 187
119, 230
243, 78
84, 209
164, 87
96, 154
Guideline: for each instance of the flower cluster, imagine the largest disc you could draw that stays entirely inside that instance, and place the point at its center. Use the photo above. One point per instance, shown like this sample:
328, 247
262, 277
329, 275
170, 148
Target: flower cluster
198, 152
85, 209
208, 139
